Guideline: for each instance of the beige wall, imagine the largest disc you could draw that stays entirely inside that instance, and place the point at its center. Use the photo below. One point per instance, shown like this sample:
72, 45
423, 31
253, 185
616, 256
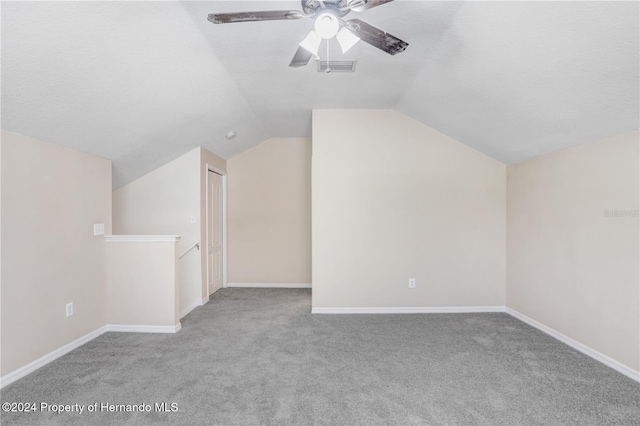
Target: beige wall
270, 213
141, 282
393, 200
51, 197
162, 202
570, 266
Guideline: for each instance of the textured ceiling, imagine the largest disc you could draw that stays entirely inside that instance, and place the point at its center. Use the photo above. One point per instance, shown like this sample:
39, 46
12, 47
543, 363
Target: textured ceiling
144, 82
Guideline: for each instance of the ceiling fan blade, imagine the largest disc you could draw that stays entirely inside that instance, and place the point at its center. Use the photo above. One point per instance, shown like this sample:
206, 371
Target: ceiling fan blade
271, 15
301, 58
361, 5
375, 3
376, 37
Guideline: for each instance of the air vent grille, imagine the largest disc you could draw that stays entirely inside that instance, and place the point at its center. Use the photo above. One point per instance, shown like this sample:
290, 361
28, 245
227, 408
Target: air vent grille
346, 65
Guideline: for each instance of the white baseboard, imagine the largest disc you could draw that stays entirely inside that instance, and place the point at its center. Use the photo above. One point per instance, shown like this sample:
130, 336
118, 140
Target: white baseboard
409, 310
144, 328
190, 308
270, 285
51, 356
609, 362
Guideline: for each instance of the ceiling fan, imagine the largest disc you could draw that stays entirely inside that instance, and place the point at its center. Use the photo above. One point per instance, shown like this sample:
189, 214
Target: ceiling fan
328, 16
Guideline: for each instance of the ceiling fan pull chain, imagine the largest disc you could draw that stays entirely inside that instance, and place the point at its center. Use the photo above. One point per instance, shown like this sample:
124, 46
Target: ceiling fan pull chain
328, 70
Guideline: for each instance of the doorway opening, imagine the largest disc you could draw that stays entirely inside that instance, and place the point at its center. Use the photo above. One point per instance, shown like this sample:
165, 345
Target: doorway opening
216, 230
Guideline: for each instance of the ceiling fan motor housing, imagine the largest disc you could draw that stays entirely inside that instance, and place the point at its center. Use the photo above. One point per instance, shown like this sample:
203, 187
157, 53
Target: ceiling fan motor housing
357, 5
338, 7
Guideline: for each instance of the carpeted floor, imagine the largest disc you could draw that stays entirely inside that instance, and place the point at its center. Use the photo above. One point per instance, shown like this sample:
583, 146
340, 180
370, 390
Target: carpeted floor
258, 357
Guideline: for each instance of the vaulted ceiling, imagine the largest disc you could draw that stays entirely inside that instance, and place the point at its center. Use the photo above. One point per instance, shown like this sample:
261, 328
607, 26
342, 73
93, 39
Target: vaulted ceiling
144, 82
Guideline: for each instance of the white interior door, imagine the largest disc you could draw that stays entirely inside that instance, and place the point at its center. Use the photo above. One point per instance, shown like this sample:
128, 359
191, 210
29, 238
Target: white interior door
214, 232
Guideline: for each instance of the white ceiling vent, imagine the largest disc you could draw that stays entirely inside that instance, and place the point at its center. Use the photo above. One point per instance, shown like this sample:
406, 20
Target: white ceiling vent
347, 65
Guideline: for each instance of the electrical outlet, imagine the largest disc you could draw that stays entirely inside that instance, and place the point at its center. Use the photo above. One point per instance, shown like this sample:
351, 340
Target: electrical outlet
412, 283
69, 309
98, 229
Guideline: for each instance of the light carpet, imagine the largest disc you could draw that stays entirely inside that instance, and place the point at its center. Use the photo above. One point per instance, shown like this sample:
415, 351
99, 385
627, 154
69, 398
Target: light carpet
258, 357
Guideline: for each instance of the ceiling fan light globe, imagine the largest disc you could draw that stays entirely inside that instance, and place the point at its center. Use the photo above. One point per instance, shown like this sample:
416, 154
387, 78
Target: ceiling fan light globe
311, 42
327, 25
346, 39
